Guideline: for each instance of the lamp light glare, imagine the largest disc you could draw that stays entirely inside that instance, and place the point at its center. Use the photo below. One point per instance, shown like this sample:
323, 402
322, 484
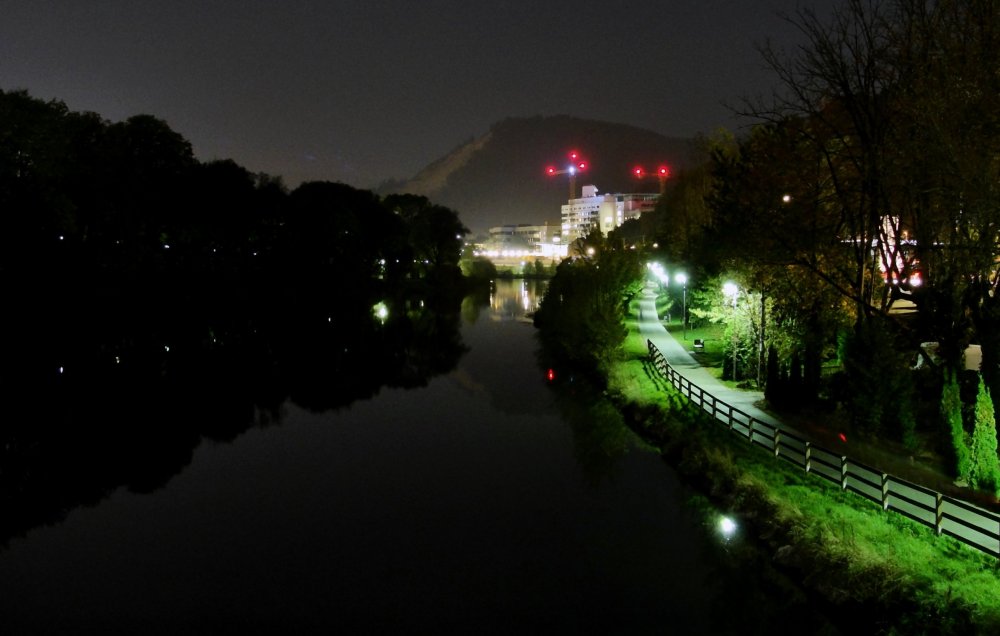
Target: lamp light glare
727, 527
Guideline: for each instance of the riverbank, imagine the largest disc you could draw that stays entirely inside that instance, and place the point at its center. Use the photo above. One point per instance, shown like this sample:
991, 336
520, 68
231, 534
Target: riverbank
881, 572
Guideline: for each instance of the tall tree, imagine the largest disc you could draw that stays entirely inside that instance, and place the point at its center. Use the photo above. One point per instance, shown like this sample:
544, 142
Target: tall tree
434, 231
841, 89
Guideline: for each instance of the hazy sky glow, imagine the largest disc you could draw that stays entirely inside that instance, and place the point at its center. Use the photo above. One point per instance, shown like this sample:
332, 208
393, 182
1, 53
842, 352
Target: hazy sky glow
361, 91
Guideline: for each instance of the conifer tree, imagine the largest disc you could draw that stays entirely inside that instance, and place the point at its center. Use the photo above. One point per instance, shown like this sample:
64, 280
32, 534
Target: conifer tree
951, 412
985, 466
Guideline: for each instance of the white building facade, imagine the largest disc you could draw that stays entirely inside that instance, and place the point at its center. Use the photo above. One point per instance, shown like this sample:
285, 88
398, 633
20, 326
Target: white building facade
604, 212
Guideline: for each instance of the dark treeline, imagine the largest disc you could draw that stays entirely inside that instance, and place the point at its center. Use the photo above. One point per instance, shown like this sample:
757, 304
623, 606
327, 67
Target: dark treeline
151, 300
115, 232
92, 203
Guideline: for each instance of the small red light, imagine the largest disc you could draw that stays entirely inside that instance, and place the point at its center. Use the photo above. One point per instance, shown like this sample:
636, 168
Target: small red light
582, 165
664, 171
842, 437
550, 170
637, 171
573, 155
551, 375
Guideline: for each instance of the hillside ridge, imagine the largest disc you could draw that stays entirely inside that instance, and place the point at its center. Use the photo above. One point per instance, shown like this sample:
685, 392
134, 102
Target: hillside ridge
499, 177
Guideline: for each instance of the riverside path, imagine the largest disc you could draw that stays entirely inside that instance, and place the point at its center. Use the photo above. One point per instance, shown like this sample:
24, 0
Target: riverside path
683, 361
952, 514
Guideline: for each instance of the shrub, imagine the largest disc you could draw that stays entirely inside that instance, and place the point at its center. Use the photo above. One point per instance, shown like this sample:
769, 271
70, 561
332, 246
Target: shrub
985, 472
951, 413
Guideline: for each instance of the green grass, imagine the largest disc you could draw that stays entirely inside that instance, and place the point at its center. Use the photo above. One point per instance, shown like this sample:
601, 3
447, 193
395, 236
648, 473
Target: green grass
873, 555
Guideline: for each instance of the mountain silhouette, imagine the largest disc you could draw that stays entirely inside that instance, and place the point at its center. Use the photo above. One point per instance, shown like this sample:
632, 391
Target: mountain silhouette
500, 177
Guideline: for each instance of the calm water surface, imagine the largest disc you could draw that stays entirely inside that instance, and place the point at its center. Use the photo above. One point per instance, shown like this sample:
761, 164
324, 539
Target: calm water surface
471, 505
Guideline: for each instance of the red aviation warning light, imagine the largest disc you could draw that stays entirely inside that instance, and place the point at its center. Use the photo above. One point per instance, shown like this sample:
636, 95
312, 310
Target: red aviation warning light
661, 173
575, 165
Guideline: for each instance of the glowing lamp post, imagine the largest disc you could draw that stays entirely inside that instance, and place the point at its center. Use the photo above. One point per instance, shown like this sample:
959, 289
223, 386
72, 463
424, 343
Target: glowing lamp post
659, 273
661, 173
682, 278
575, 165
732, 291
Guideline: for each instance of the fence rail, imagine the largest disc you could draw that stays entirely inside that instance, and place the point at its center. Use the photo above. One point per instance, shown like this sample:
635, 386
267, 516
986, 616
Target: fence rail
966, 522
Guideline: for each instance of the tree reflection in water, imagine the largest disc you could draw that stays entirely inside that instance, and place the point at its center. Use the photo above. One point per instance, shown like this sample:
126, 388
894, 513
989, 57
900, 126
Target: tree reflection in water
104, 392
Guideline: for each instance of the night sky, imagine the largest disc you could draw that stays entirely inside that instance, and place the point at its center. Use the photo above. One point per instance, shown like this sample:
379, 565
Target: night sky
368, 90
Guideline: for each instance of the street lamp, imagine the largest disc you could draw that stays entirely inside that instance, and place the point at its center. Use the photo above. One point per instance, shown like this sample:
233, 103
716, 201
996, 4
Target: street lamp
732, 291
576, 164
659, 273
682, 278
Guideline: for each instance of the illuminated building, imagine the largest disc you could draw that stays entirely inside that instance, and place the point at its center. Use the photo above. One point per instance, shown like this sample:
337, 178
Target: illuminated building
602, 211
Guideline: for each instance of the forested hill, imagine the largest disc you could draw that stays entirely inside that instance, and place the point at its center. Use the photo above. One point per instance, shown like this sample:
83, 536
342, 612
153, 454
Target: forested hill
499, 177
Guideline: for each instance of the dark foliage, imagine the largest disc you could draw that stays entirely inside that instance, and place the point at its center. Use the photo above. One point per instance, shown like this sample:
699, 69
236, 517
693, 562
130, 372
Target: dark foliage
581, 316
152, 300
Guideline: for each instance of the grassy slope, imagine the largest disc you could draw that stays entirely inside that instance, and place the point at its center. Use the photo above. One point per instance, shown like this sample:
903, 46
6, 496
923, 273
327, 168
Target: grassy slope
845, 547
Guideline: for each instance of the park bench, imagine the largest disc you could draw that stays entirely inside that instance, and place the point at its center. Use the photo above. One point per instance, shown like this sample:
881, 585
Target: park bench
699, 343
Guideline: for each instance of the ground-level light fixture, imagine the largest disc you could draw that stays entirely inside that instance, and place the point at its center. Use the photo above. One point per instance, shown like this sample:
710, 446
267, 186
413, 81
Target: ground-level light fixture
727, 527
381, 312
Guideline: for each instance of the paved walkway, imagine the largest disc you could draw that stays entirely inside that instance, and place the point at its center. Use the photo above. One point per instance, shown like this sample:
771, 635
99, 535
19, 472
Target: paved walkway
682, 358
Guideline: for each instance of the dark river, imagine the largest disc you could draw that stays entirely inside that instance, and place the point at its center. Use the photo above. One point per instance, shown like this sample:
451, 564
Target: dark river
487, 501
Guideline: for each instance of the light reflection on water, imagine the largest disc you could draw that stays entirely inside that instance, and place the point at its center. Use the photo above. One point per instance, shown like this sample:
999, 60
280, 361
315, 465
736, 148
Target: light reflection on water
516, 299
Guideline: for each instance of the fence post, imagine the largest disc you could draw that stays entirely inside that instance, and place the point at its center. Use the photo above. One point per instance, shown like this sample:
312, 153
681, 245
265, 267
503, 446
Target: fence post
938, 512
808, 456
750, 432
885, 491
777, 440
730, 416
843, 472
